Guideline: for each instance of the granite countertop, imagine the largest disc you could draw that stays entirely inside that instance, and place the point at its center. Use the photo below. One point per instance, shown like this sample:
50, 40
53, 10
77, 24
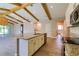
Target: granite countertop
71, 49
28, 36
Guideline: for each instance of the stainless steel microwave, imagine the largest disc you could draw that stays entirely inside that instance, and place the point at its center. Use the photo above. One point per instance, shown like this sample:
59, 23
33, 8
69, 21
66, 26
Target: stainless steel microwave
74, 17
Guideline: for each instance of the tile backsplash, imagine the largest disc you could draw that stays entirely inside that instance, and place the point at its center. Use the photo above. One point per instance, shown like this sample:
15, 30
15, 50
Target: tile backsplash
74, 31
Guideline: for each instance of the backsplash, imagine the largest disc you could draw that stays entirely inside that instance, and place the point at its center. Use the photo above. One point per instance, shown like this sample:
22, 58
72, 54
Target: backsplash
74, 31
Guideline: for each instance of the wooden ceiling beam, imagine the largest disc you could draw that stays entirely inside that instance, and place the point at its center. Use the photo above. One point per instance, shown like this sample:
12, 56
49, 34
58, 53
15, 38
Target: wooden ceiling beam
14, 13
14, 18
22, 5
13, 9
45, 7
17, 4
21, 16
12, 21
31, 14
4, 9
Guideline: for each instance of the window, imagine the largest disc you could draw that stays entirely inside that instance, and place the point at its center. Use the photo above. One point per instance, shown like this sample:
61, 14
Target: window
3, 29
60, 27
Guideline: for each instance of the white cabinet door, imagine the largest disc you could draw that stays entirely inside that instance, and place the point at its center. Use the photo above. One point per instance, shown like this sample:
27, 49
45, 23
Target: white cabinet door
23, 47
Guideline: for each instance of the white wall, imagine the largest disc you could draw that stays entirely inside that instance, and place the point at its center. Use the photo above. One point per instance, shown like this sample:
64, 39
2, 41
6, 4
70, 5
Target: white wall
17, 29
43, 26
47, 27
54, 27
29, 28
50, 28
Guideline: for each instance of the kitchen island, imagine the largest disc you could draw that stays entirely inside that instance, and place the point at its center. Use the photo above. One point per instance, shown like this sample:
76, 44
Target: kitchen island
27, 45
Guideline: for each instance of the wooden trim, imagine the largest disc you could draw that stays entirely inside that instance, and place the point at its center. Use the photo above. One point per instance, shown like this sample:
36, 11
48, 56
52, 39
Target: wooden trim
17, 46
22, 31
21, 16
45, 38
31, 14
45, 7
14, 18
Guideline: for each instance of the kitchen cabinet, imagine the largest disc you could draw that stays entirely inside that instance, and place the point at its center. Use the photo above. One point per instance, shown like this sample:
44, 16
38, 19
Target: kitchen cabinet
29, 45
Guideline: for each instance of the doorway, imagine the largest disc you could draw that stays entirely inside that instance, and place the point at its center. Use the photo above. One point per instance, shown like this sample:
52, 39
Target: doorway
60, 24
7, 42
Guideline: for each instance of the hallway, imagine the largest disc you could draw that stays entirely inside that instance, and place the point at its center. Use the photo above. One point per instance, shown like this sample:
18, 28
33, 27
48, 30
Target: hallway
53, 47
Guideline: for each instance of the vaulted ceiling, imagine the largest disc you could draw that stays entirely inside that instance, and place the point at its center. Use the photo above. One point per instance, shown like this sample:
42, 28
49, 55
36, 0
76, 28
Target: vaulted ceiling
43, 12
